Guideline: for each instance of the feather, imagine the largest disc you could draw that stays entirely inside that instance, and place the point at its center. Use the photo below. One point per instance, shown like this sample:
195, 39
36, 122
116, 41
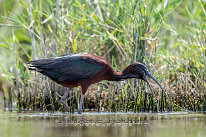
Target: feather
67, 67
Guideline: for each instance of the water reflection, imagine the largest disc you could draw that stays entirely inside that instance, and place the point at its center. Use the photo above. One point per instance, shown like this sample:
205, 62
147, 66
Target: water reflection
88, 125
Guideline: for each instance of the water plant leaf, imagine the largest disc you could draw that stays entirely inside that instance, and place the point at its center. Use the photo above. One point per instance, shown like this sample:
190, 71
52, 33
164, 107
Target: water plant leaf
4, 46
74, 46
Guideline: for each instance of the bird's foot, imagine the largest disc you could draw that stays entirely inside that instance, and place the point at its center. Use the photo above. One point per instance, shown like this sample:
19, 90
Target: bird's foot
62, 100
79, 111
66, 107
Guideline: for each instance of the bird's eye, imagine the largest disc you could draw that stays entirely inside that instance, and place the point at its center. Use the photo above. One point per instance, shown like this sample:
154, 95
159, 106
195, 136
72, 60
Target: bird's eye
142, 73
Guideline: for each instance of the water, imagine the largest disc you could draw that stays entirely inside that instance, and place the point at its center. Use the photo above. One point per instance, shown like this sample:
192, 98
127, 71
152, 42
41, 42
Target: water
179, 124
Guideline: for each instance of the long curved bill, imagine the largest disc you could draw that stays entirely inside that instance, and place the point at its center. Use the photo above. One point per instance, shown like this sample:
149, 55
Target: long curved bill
148, 74
149, 83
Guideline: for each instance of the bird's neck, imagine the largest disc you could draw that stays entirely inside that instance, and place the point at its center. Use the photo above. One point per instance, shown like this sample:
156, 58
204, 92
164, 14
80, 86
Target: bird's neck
117, 76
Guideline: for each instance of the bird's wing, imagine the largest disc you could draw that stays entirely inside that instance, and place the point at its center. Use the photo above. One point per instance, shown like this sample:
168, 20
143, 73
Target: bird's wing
67, 67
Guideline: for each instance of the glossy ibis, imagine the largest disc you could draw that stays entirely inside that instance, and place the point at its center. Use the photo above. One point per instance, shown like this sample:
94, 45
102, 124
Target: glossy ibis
83, 69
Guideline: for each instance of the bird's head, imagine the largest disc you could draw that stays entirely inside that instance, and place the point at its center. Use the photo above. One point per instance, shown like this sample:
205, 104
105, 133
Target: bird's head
137, 70
140, 71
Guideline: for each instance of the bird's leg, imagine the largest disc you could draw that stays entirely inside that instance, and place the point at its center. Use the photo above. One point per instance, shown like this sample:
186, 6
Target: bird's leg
81, 103
63, 101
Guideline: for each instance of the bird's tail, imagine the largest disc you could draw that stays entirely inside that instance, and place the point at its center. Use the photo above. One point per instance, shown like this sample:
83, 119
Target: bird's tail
32, 65
37, 64
42, 67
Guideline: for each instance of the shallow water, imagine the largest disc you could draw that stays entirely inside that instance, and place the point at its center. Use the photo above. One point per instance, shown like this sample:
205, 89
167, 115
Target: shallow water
180, 124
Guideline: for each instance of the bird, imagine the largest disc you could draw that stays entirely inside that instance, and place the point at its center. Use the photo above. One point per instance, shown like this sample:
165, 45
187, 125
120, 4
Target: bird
84, 69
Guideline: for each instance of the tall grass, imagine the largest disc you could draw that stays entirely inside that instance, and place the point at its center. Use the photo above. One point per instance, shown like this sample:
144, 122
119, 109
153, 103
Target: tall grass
168, 36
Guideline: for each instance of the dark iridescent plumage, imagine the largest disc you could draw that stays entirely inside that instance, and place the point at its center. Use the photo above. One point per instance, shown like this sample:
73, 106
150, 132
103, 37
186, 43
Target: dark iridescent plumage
83, 69
68, 67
